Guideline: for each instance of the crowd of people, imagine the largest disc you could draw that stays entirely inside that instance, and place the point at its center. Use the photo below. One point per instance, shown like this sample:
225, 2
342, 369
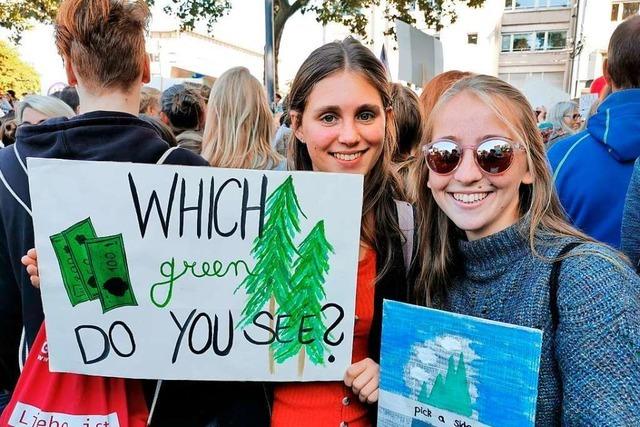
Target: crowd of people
505, 227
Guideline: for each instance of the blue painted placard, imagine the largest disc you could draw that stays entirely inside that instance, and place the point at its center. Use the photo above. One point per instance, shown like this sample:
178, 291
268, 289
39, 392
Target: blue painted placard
449, 370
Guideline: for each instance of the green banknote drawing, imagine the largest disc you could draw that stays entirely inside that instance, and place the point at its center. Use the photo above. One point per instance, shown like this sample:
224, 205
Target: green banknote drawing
70, 273
109, 263
76, 236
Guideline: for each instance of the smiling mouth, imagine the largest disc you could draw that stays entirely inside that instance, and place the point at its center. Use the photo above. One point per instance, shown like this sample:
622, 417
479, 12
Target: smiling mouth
348, 157
469, 198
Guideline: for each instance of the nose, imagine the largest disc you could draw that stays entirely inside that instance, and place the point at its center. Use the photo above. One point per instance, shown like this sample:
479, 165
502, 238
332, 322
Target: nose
348, 133
468, 171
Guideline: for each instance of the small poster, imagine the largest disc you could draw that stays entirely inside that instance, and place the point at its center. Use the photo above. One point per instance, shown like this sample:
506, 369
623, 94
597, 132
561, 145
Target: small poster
199, 273
450, 370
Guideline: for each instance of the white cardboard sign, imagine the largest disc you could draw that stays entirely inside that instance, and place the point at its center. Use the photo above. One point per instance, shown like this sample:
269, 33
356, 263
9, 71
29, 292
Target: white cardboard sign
178, 272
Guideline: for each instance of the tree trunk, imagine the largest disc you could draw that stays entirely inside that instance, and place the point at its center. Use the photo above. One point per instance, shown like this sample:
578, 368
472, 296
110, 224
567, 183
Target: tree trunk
301, 357
284, 11
272, 310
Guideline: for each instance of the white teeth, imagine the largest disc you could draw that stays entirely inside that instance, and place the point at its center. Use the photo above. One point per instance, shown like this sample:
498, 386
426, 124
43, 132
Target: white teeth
347, 157
469, 198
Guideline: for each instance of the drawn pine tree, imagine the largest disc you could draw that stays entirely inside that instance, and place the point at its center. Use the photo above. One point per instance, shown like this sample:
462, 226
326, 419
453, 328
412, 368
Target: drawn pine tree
305, 302
273, 251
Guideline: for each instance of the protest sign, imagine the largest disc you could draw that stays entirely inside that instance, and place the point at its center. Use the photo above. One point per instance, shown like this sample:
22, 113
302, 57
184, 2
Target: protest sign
177, 272
452, 370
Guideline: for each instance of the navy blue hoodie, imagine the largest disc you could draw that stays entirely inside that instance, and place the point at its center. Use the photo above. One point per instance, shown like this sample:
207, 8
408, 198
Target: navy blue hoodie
99, 136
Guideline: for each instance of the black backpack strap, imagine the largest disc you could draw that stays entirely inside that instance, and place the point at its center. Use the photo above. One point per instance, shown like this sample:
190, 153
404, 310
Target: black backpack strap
553, 304
553, 283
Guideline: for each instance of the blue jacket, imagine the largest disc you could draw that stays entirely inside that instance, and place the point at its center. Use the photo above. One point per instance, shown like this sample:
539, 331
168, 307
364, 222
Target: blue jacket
592, 169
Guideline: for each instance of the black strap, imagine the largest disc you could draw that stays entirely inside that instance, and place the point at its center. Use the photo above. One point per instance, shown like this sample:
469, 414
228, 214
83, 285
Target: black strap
553, 283
553, 304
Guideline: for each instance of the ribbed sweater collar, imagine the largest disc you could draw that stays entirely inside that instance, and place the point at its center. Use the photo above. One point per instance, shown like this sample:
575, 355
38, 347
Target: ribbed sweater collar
488, 257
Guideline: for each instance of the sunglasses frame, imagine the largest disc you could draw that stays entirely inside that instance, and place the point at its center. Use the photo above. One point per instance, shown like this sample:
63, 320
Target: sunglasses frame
474, 148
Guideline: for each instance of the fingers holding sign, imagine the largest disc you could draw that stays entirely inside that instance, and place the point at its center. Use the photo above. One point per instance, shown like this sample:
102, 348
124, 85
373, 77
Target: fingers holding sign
364, 379
30, 260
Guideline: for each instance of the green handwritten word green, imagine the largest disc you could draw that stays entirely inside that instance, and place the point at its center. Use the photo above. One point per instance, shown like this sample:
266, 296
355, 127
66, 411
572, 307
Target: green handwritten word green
204, 269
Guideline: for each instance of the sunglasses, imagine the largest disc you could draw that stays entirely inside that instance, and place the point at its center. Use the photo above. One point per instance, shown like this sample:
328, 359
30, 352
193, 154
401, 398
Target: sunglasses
494, 155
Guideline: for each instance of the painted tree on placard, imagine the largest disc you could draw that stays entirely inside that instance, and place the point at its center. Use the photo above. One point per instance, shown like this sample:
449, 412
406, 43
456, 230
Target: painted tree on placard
304, 302
273, 251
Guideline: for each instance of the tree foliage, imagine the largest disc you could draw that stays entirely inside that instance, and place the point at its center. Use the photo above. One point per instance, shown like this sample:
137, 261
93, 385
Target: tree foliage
18, 15
16, 74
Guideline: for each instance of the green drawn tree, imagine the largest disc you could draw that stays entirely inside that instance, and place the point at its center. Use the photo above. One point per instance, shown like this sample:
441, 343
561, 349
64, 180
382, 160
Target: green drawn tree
273, 251
304, 302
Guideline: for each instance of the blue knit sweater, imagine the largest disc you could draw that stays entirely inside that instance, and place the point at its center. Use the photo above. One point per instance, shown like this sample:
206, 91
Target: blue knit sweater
630, 243
597, 342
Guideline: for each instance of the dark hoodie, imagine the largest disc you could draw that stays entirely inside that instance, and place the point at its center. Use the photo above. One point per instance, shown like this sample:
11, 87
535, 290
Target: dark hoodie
592, 169
98, 136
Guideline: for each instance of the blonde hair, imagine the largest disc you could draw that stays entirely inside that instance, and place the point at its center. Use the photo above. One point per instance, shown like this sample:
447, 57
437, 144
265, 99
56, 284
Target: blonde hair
537, 201
239, 125
47, 105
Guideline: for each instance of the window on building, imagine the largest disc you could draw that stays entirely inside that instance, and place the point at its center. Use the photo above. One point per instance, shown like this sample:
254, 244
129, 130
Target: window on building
557, 40
506, 43
621, 10
538, 41
535, 4
615, 8
629, 9
521, 42
472, 38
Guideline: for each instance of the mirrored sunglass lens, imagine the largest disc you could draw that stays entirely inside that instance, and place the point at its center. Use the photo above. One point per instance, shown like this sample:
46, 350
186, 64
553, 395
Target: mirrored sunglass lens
443, 157
494, 156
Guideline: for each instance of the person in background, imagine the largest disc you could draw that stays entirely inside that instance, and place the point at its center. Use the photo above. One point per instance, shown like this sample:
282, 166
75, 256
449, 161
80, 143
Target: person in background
541, 113
102, 43
240, 127
162, 129
565, 119
283, 133
592, 168
150, 102
8, 127
494, 244
35, 109
435, 87
407, 110
546, 129
69, 95
183, 111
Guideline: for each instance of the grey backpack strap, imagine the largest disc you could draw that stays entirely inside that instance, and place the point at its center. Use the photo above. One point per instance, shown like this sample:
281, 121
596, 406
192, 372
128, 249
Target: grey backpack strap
165, 155
405, 221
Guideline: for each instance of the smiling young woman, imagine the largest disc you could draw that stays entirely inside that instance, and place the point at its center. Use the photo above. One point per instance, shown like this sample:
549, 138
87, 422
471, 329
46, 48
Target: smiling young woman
494, 243
342, 122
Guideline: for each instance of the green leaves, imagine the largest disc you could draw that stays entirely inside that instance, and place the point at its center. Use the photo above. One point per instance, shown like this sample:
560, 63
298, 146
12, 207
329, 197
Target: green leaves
19, 15
16, 74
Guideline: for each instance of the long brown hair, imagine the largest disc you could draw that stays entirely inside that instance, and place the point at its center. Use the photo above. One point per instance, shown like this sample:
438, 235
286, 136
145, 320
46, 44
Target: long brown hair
537, 201
381, 185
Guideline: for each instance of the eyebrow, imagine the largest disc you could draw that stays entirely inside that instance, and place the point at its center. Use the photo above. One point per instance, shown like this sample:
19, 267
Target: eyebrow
336, 108
484, 138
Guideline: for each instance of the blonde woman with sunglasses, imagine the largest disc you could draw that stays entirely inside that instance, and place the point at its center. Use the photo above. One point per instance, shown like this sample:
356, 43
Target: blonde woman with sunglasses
495, 244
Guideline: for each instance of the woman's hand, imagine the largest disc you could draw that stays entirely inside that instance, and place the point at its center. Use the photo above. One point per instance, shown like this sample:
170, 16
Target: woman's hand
30, 260
364, 378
